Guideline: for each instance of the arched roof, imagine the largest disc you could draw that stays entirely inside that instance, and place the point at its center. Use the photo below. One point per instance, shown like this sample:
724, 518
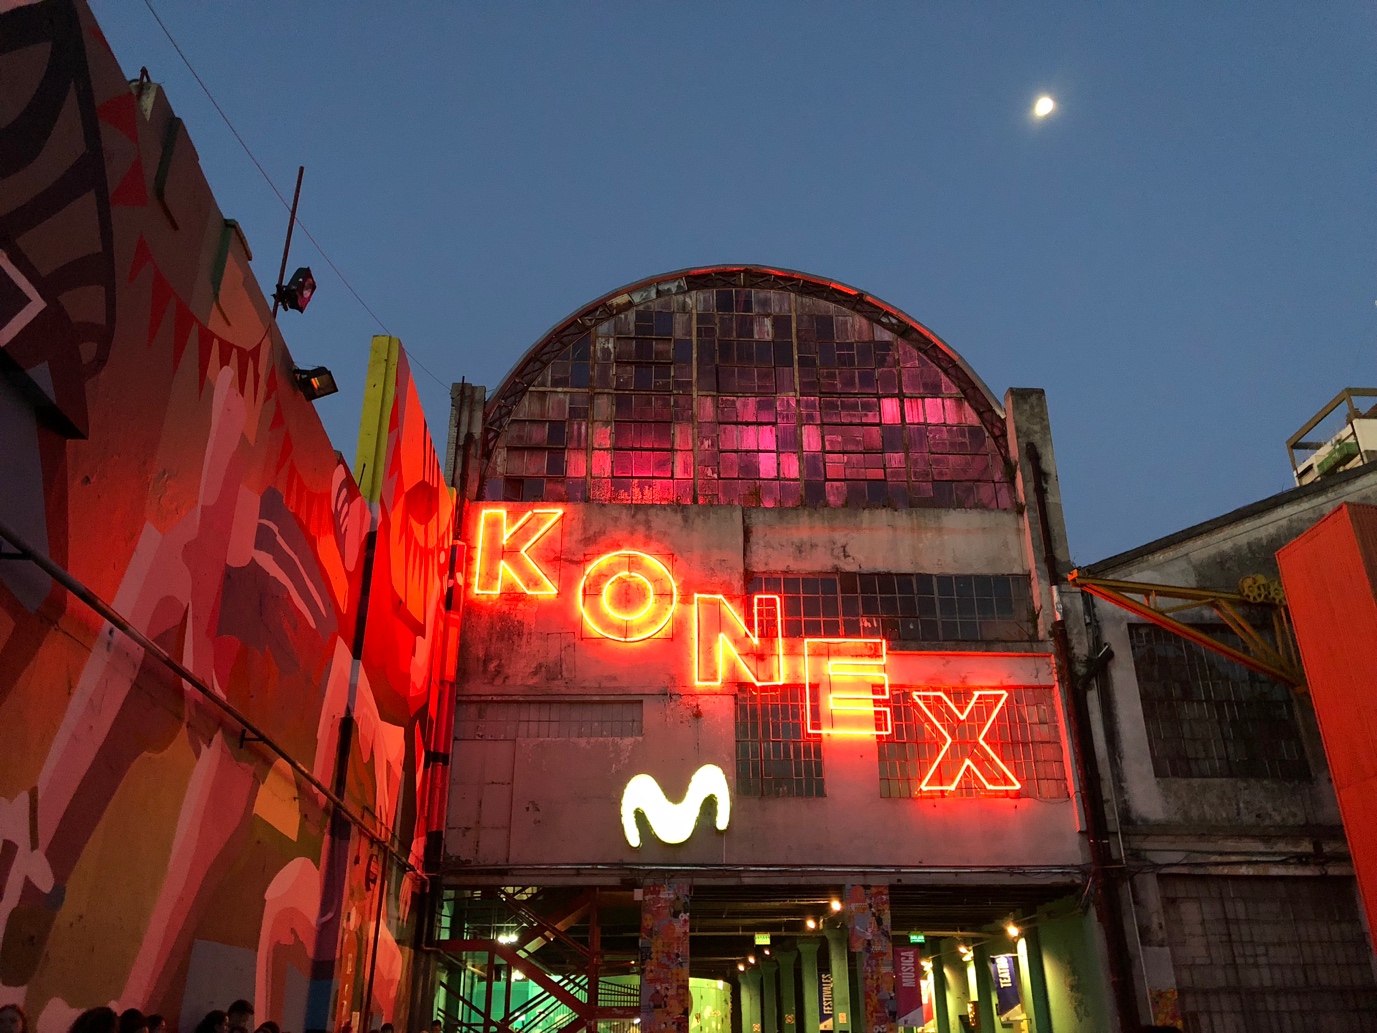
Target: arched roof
758, 277
696, 295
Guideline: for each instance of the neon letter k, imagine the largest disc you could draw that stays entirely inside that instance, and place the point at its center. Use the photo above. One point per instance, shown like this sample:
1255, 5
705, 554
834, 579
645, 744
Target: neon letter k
504, 555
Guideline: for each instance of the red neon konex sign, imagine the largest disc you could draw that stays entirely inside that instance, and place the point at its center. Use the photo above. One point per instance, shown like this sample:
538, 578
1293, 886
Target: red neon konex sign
630, 596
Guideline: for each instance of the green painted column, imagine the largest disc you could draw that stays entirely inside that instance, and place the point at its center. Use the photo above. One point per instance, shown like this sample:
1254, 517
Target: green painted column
840, 968
769, 997
1037, 983
788, 997
984, 986
857, 959
939, 988
750, 1001
808, 949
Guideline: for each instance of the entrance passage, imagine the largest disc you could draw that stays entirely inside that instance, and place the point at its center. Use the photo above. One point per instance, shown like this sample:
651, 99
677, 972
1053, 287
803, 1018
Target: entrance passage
676, 956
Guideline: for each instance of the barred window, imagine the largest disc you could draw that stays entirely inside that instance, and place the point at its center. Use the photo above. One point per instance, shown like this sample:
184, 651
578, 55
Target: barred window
775, 755
905, 608
548, 719
1208, 717
1269, 953
1025, 735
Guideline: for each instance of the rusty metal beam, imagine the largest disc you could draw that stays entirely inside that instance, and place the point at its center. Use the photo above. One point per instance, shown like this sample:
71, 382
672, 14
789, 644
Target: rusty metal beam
1280, 662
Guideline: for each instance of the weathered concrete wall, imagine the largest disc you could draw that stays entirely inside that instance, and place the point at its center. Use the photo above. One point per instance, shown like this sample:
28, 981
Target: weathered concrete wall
938, 541
1218, 552
555, 802
1245, 825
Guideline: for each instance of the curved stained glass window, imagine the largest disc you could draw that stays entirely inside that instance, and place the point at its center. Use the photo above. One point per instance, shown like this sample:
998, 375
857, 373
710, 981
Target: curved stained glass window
776, 395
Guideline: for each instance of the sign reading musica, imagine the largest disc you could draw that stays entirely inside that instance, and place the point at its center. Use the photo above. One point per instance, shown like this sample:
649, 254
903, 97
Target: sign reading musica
630, 596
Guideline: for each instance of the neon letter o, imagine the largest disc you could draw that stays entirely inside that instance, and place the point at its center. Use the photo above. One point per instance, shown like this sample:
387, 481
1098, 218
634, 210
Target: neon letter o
605, 574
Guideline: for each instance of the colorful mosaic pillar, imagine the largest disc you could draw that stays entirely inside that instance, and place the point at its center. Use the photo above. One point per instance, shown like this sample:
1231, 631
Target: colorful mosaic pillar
867, 920
665, 998
788, 998
809, 951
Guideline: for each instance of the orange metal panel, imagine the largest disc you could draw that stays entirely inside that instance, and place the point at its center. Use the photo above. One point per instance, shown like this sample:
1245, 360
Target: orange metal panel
1330, 576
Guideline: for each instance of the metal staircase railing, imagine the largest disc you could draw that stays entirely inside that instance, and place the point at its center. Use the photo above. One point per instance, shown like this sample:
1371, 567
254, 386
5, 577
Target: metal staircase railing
501, 939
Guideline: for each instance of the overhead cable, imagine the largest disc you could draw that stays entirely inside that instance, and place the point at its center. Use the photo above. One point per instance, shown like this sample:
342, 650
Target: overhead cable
273, 186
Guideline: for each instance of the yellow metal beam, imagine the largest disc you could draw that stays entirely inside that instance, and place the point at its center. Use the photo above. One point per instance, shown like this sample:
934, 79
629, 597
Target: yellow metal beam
1279, 662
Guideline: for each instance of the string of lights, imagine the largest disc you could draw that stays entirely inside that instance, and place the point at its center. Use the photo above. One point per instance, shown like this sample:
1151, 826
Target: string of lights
273, 186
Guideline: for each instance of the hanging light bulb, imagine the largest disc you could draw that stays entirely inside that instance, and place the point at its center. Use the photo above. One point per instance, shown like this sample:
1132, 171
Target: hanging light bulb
811, 923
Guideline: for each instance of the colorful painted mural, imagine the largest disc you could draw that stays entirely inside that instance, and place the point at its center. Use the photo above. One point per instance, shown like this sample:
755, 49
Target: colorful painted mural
154, 853
869, 935
666, 998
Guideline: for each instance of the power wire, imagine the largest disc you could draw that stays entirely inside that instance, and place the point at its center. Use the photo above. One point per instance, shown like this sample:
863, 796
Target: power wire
273, 186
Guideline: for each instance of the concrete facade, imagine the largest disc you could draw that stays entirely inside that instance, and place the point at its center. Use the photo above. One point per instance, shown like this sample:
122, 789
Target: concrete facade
538, 803
560, 806
1190, 840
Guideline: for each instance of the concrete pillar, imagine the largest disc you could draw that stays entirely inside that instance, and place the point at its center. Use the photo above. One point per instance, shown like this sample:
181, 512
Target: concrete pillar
788, 998
958, 986
941, 1012
750, 1001
1037, 983
665, 997
808, 949
769, 997
840, 970
858, 990
984, 986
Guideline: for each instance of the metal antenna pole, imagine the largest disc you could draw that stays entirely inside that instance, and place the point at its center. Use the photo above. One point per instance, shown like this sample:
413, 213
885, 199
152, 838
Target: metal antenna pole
287, 247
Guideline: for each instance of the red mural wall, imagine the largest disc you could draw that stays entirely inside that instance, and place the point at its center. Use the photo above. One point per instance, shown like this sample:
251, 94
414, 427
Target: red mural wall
1330, 576
155, 446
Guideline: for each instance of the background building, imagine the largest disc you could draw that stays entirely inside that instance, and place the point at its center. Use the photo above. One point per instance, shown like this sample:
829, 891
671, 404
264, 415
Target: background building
1241, 892
754, 534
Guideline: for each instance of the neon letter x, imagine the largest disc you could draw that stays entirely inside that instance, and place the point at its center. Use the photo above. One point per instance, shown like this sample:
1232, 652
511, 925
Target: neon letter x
503, 553
965, 746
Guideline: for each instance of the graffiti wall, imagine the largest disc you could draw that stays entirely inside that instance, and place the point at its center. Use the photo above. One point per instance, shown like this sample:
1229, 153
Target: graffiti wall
153, 853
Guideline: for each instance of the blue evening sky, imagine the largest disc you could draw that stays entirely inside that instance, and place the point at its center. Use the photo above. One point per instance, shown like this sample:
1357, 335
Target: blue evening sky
1182, 256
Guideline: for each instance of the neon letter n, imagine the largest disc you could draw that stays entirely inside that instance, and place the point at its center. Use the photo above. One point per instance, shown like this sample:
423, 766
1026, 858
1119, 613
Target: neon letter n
503, 554
721, 636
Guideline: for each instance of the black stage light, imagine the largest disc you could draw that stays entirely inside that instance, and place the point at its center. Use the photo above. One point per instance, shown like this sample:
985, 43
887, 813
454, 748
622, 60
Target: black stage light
296, 293
316, 382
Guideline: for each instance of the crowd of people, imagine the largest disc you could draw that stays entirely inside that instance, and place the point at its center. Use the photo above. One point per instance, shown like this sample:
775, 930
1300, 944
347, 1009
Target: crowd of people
238, 1019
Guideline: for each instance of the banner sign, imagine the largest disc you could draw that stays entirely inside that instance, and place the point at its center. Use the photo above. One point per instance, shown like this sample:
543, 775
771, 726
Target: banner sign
908, 985
825, 1002
1004, 974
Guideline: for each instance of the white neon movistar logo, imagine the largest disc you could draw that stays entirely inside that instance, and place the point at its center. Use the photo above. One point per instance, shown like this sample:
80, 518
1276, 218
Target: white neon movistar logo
674, 822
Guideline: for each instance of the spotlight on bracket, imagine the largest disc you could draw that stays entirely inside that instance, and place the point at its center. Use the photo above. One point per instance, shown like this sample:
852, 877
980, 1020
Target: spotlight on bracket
316, 382
296, 293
